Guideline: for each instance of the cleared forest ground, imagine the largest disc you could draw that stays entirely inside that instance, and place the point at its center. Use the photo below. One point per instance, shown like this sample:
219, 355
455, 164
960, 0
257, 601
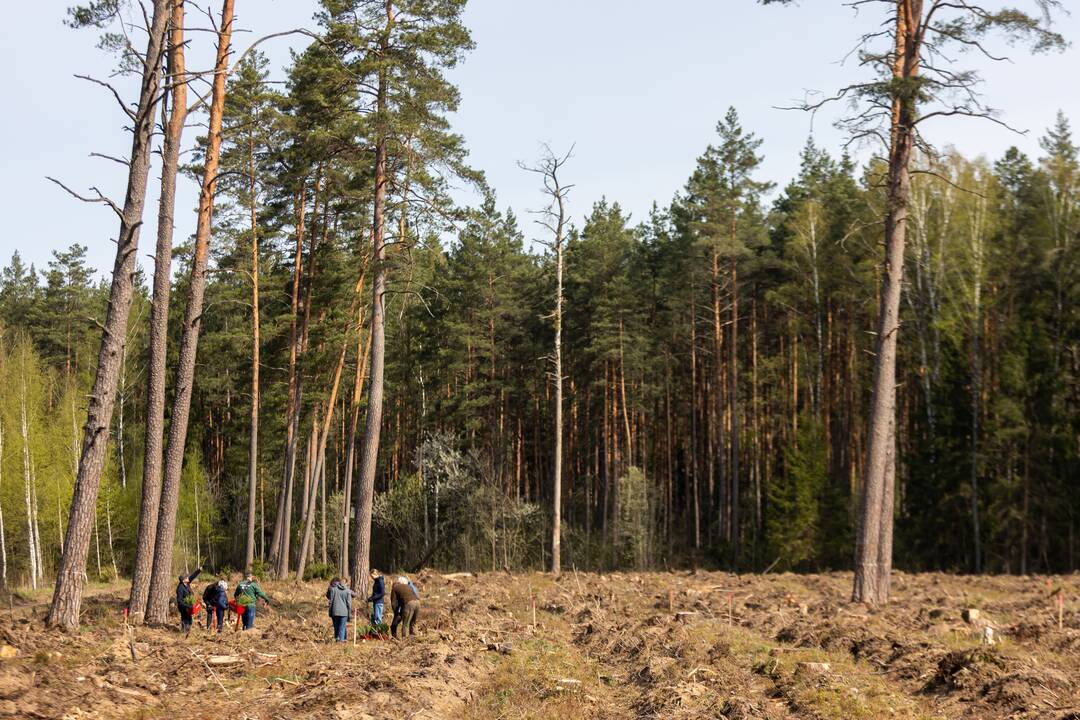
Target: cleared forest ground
602, 646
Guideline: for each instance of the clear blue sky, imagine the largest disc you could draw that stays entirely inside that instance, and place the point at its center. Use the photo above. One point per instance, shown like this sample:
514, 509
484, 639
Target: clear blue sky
637, 85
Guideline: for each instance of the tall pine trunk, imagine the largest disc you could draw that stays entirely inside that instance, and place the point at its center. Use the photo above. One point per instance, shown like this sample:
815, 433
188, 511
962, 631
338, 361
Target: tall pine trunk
362, 355
161, 572
297, 378
253, 445
873, 548
3, 537
556, 493
283, 518
733, 399
159, 322
369, 454
318, 476
71, 576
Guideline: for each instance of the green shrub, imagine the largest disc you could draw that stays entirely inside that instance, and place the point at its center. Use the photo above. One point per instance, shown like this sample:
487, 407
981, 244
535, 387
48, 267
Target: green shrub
319, 571
259, 569
364, 630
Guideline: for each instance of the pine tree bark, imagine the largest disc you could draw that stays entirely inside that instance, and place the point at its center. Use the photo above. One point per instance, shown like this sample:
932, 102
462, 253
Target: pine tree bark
873, 556
318, 476
71, 576
373, 421
556, 494
253, 445
3, 537
300, 347
362, 356
733, 400
283, 519
154, 430
161, 571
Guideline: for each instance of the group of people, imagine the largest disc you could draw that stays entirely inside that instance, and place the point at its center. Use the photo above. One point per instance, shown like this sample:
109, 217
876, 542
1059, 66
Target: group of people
215, 598
404, 602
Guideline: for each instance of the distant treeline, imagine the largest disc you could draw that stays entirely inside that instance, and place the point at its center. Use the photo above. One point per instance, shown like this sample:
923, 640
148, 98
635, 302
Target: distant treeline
717, 358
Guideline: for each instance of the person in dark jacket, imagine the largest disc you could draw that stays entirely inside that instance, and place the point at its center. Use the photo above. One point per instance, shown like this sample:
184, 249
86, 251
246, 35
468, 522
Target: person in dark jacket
405, 601
185, 599
216, 604
340, 608
378, 596
208, 595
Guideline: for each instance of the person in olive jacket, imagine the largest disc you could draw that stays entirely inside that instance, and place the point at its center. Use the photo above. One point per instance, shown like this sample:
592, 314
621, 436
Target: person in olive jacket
405, 601
340, 608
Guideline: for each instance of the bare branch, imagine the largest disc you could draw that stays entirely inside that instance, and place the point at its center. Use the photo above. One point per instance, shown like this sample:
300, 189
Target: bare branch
103, 156
123, 106
99, 199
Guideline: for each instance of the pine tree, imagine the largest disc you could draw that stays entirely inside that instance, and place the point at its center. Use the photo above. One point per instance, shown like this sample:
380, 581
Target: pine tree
70, 580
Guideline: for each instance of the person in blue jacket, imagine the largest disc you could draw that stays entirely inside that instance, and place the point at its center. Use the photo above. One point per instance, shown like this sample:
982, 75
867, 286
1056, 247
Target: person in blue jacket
219, 601
378, 597
185, 599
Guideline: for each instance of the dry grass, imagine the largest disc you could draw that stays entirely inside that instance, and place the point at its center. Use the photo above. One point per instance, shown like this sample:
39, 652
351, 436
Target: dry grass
604, 646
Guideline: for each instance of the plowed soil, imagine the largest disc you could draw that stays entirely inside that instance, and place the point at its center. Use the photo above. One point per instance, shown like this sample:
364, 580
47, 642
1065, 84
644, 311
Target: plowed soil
621, 645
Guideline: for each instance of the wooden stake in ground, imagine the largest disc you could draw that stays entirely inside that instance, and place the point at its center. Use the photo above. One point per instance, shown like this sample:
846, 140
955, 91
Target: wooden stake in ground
71, 575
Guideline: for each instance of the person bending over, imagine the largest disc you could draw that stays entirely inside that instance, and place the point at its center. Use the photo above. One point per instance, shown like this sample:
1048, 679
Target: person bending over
405, 601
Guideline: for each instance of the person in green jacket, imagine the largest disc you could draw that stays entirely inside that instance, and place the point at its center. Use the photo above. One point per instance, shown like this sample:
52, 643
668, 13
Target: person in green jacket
247, 594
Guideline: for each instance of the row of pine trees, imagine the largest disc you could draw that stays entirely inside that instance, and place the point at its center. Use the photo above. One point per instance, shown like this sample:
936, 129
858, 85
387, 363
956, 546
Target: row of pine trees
716, 356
